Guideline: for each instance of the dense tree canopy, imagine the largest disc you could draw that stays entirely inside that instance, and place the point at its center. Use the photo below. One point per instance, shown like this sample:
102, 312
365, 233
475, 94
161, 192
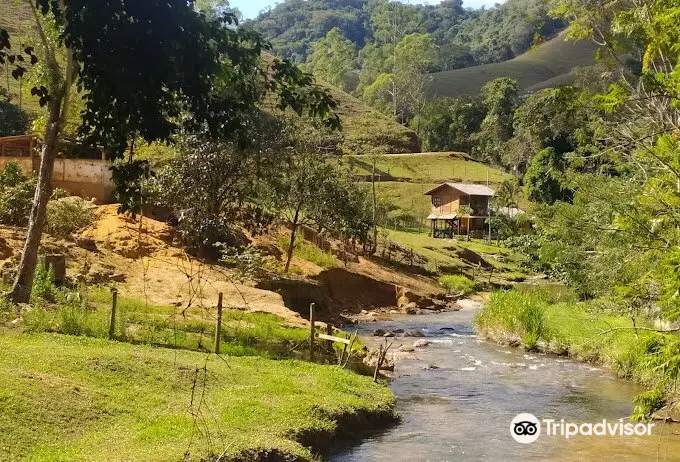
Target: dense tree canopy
465, 36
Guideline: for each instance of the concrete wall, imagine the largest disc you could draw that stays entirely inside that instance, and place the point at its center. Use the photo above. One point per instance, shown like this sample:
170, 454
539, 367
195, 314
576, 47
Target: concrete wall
81, 177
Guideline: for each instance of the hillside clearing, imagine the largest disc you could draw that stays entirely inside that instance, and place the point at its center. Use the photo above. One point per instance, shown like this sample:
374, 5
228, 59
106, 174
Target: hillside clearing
554, 58
432, 167
92, 400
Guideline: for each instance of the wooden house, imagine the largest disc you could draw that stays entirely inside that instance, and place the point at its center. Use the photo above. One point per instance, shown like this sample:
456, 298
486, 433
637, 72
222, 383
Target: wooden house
459, 208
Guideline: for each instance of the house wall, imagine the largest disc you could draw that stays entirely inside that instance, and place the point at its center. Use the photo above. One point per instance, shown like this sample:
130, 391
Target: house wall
450, 201
81, 177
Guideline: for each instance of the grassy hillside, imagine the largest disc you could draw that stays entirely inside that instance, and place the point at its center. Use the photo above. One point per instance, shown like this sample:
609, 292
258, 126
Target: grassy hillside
551, 61
17, 18
404, 179
430, 167
364, 128
92, 400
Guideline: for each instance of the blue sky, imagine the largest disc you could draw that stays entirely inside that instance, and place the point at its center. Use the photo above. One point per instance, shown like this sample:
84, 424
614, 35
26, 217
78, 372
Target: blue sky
250, 8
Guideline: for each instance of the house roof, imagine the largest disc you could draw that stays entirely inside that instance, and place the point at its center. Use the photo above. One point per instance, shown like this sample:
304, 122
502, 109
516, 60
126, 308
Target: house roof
466, 188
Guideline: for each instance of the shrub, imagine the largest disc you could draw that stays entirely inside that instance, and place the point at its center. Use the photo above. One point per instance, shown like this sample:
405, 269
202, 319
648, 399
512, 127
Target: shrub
308, 251
43, 283
457, 283
247, 262
16, 195
13, 119
66, 216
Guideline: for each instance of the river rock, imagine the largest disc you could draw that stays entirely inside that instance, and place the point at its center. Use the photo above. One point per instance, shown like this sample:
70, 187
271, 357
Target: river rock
405, 348
422, 343
371, 360
417, 333
378, 332
388, 334
398, 331
430, 367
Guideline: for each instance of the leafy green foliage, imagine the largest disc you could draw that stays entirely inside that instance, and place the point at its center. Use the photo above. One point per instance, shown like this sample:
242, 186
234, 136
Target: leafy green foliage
448, 124
457, 283
67, 216
501, 99
13, 119
466, 37
545, 180
332, 58
131, 180
43, 284
248, 263
16, 195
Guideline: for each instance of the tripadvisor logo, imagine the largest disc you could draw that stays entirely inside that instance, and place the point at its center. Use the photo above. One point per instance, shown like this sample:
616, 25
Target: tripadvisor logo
526, 428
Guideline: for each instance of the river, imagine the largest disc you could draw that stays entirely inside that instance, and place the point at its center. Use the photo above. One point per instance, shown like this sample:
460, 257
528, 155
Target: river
462, 409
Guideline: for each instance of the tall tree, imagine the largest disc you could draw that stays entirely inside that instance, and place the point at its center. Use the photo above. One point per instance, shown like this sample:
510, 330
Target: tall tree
186, 69
402, 89
332, 58
501, 99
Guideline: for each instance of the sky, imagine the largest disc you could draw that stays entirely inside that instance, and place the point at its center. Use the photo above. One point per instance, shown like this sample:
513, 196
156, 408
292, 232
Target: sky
250, 8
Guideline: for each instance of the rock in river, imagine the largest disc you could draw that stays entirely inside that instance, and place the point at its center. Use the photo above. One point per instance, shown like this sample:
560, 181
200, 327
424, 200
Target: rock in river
421, 343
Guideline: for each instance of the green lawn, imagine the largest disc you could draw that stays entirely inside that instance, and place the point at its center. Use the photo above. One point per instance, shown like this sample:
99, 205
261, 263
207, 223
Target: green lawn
86, 312
67, 398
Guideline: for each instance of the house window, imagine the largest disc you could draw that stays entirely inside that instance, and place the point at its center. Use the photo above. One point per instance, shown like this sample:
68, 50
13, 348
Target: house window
437, 201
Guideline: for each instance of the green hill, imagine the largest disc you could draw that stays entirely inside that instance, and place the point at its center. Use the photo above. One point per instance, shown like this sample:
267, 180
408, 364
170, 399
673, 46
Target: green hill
547, 65
364, 127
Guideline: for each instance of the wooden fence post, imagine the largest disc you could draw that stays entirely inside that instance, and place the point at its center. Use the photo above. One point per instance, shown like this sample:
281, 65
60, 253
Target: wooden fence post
311, 332
114, 303
218, 326
329, 331
378, 364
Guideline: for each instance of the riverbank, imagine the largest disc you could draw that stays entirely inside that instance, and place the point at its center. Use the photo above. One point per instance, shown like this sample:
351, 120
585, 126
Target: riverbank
85, 399
554, 322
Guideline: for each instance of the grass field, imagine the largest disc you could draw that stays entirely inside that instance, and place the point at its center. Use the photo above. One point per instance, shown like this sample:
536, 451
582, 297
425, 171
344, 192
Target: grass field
429, 167
86, 313
66, 398
552, 60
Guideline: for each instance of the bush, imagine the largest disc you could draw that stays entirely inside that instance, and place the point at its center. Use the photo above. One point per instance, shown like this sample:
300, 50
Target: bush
66, 216
43, 283
247, 262
13, 119
16, 195
457, 283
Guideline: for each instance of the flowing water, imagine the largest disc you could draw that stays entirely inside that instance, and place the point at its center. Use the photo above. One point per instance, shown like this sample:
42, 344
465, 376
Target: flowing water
462, 409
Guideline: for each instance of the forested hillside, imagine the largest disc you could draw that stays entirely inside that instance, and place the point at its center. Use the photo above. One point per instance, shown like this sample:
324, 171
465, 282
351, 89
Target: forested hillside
553, 63
468, 37
395, 56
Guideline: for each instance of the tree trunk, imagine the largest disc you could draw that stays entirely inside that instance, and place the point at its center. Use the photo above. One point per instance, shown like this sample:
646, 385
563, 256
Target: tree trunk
21, 290
291, 245
374, 247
